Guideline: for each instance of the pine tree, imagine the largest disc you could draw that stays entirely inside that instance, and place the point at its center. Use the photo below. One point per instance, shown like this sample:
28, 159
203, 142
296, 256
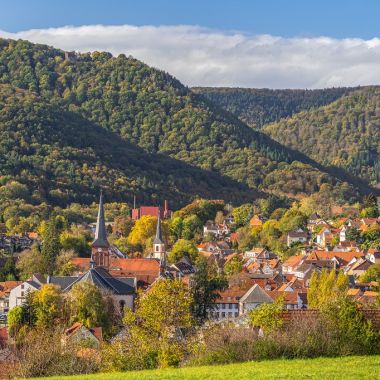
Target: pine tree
51, 245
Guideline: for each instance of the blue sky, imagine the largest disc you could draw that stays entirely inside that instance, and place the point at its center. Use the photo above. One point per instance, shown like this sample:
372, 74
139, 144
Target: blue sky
287, 18
234, 43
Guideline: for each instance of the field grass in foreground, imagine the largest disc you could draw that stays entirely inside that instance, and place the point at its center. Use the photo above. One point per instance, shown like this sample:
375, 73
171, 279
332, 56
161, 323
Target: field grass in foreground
354, 367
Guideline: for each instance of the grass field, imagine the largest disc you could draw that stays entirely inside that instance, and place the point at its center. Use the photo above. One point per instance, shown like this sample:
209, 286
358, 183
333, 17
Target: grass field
354, 367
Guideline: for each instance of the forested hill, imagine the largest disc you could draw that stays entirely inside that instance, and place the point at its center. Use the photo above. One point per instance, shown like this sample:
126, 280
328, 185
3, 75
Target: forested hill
144, 112
257, 107
345, 133
56, 156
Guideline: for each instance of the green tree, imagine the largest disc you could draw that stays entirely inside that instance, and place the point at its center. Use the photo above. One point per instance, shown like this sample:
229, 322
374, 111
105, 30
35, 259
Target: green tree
48, 304
159, 314
8, 271
87, 305
234, 266
183, 248
15, 320
242, 214
268, 316
176, 227
371, 274
76, 243
51, 244
64, 264
192, 226
206, 285
353, 234
326, 287
32, 262
143, 229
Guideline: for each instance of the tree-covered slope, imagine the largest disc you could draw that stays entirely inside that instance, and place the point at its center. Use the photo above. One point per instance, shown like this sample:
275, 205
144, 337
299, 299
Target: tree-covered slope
257, 107
345, 133
155, 114
61, 157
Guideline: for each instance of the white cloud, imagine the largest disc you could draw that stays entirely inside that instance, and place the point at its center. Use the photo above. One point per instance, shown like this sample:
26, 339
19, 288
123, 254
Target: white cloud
205, 57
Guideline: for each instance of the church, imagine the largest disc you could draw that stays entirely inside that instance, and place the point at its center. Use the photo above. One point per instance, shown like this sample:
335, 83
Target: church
121, 289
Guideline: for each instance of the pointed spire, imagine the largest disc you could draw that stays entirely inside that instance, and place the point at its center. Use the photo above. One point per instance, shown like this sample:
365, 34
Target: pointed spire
100, 232
158, 238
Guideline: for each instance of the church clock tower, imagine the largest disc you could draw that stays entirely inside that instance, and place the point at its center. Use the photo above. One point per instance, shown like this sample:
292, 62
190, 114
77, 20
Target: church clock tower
159, 249
100, 246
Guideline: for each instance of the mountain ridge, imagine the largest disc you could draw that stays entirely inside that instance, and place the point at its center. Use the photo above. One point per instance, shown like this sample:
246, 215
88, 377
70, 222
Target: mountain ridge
154, 112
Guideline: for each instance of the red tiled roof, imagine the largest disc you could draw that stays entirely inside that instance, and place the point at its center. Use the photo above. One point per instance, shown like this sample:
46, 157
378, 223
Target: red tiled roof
293, 261
231, 295
345, 257
290, 298
145, 270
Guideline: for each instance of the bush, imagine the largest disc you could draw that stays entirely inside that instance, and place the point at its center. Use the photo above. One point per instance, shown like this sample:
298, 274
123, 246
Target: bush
340, 329
42, 354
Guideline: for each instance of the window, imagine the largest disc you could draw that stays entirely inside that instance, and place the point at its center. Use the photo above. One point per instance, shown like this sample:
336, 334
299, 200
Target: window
230, 306
236, 314
122, 305
157, 248
22, 294
22, 286
223, 315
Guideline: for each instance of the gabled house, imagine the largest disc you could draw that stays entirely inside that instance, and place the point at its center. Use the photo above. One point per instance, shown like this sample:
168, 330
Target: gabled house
256, 221
373, 255
298, 236
290, 265
5, 290
218, 230
227, 305
220, 248
292, 300
182, 268
253, 298
341, 259
326, 235
78, 333
315, 220
358, 267
18, 294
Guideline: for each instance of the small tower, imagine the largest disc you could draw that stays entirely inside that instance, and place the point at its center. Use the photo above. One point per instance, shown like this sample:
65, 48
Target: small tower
159, 251
100, 245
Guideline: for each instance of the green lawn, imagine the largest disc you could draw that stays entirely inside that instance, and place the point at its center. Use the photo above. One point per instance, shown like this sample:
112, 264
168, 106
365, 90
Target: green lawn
355, 367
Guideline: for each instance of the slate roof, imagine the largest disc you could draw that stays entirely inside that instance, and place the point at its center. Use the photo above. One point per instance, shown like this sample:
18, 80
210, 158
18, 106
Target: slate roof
104, 280
158, 238
256, 295
62, 281
100, 232
35, 284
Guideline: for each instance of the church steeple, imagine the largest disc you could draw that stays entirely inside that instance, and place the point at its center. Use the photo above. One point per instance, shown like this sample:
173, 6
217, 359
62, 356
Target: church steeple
159, 250
100, 245
100, 232
158, 238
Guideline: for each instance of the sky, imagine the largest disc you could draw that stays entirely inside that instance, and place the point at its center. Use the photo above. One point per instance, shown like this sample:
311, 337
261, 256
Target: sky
235, 43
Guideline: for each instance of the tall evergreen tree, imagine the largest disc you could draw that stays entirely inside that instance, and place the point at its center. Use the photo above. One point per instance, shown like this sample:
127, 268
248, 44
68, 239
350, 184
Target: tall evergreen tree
205, 288
51, 245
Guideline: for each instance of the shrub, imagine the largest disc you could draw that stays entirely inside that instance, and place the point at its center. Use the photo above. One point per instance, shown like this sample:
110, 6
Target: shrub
42, 354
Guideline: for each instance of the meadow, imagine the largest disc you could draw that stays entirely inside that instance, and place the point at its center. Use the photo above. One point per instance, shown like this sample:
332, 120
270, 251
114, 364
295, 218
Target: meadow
352, 367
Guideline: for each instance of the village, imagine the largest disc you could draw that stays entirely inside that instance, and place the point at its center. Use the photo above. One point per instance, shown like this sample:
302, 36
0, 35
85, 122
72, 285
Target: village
252, 277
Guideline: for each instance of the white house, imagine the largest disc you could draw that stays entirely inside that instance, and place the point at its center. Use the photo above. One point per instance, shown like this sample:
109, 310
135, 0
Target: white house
296, 236
253, 298
18, 294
